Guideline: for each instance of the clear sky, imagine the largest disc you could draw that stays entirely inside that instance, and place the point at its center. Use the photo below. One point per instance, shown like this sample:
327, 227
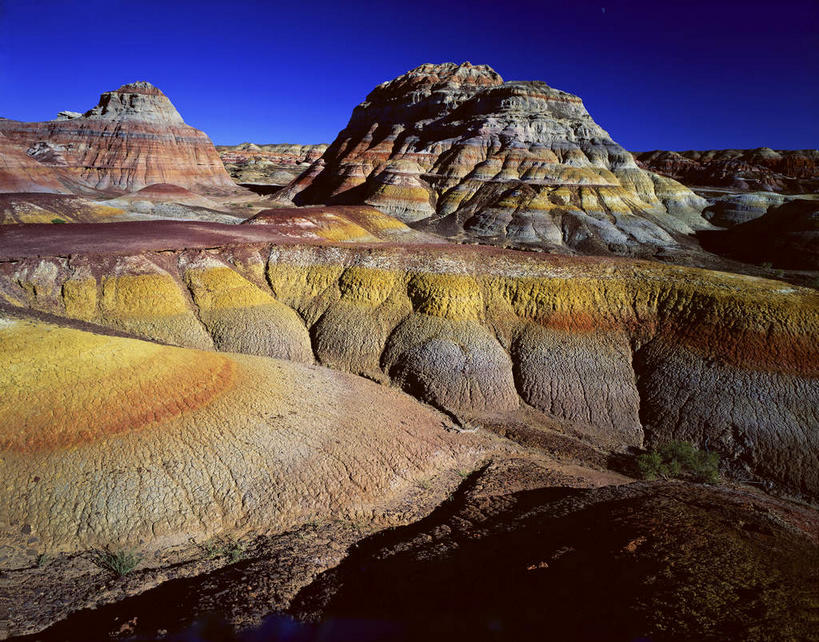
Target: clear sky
665, 74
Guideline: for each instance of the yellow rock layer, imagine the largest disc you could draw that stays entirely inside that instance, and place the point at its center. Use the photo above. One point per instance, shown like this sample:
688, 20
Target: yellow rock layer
62, 387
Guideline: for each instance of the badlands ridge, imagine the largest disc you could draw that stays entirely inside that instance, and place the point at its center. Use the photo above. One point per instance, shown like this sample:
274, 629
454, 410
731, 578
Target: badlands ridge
188, 361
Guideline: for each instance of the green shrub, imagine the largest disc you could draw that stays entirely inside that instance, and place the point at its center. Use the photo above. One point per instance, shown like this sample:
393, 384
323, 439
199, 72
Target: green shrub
57, 220
119, 562
679, 459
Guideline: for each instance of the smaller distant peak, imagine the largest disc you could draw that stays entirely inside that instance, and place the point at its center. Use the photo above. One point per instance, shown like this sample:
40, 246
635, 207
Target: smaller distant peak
136, 101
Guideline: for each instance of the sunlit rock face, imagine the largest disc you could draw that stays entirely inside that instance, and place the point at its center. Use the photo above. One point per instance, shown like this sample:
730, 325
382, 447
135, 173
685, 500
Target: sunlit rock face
21, 173
133, 138
454, 149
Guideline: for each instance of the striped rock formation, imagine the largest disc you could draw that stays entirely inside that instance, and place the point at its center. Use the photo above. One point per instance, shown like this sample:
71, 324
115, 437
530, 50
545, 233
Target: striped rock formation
268, 164
454, 149
792, 171
345, 223
606, 352
111, 440
133, 138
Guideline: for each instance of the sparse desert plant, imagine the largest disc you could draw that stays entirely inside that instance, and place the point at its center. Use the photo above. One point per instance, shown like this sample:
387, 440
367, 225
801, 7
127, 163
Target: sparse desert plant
42, 560
57, 221
120, 562
679, 459
228, 547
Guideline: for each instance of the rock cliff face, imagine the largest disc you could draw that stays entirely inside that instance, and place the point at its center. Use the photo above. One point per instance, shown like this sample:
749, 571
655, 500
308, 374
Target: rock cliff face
609, 353
789, 171
133, 138
454, 149
21, 173
268, 164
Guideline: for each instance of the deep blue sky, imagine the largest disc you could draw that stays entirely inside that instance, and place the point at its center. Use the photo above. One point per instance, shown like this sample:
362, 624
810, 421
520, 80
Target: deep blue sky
663, 74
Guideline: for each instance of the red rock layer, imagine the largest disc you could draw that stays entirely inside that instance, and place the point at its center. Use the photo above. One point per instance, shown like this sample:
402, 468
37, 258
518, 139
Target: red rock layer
21, 173
133, 138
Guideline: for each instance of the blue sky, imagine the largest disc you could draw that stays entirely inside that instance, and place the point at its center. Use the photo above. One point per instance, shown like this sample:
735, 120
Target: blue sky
670, 75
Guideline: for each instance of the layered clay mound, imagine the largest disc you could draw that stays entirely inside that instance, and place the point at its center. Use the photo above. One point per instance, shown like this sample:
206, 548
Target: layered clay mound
792, 171
454, 149
785, 237
55, 208
133, 138
342, 223
734, 209
116, 440
610, 354
268, 164
163, 192
21, 173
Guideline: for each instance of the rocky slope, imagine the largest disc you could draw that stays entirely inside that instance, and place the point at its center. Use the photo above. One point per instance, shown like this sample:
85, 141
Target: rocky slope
21, 173
268, 164
454, 149
157, 428
788, 171
662, 561
522, 546
133, 138
607, 353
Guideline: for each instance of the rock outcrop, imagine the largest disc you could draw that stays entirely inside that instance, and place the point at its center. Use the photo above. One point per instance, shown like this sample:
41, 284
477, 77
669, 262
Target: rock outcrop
791, 171
268, 164
133, 138
19, 172
733, 209
455, 150
607, 352
55, 208
786, 237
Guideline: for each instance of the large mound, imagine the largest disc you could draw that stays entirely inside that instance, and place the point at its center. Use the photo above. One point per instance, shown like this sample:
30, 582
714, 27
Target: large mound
612, 353
456, 149
133, 138
111, 440
791, 171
